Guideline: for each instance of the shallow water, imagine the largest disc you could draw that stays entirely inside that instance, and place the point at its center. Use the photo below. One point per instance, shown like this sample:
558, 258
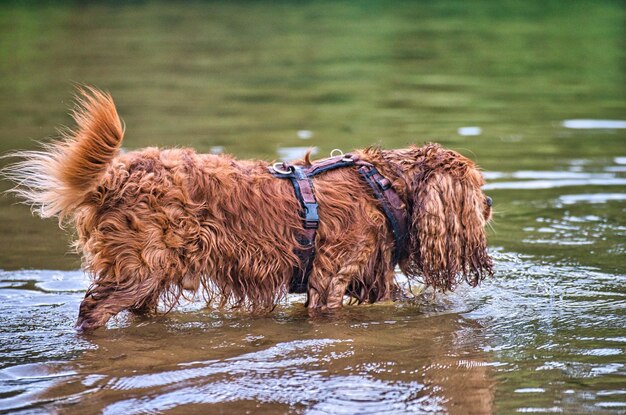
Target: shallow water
533, 91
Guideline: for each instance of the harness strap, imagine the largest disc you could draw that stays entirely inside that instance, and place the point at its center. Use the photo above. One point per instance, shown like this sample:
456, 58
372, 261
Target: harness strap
331, 163
391, 204
303, 187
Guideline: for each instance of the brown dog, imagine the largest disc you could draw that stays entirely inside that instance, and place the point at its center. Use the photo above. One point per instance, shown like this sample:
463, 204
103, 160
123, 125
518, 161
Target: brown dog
153, 224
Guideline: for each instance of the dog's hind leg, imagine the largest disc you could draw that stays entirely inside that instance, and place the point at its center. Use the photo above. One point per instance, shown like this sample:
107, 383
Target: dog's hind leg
102, 302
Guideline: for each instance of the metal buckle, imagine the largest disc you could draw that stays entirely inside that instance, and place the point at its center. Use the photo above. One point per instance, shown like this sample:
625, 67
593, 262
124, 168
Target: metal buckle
281, 171
344, 158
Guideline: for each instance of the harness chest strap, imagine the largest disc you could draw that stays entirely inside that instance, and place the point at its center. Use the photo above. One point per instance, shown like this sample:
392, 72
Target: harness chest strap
303, 187
392, 206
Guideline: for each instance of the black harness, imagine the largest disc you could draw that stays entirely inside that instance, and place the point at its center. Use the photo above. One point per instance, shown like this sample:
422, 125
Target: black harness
301, 178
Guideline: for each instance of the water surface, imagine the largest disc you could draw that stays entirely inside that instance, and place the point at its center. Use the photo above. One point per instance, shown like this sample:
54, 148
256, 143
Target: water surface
533, 92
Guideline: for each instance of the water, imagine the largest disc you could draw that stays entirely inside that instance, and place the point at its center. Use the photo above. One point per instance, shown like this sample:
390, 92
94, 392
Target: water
533, 91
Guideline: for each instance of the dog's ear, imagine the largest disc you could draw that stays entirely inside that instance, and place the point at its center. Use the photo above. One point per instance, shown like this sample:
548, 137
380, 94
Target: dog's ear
447, 223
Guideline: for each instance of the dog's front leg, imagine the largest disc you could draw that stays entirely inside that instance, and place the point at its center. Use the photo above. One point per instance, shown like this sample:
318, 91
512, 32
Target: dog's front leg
328, 287
339, 284
365, 271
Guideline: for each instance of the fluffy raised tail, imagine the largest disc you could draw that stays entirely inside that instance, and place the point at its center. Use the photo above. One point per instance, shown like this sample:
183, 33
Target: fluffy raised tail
54, 181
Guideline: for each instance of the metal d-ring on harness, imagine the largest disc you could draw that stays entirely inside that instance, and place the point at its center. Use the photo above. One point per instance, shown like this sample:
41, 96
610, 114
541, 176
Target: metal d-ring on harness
301, 176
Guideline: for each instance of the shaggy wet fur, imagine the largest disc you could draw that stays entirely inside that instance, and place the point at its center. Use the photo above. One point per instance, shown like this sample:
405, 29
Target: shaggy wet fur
154, 224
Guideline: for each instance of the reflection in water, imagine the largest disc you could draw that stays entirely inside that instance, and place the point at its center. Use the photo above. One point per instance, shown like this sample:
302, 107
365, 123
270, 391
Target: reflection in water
469, 131
428, 365
294, 153
592, 198
551, 184
594, 124
305, 134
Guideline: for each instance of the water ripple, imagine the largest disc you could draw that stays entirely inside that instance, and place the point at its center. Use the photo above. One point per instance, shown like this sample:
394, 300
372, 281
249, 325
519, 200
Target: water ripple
263, 361
278, 375
550, 184
321, 395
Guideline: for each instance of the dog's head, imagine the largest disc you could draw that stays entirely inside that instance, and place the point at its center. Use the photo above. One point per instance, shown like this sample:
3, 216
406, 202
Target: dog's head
448, 213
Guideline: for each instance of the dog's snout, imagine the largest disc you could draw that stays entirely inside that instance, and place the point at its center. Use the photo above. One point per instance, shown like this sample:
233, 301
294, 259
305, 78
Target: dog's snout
489, 201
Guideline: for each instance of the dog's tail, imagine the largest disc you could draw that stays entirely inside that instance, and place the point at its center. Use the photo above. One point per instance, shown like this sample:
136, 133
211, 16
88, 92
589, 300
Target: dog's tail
54, 181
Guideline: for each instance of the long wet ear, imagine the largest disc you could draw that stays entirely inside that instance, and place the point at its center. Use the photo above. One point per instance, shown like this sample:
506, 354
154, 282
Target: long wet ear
447, 235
